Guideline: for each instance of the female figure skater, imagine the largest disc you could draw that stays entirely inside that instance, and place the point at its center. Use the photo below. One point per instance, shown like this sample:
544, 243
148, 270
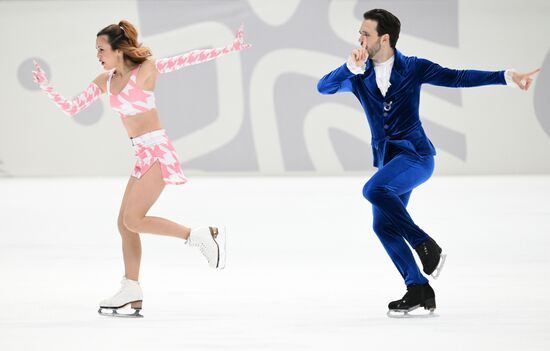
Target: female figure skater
129, 81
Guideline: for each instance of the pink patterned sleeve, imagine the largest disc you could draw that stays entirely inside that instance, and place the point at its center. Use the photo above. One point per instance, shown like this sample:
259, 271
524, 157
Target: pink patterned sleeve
170, 64
70, 107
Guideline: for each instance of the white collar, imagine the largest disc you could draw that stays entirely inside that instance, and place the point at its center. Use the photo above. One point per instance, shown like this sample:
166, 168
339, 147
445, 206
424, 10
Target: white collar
386, 63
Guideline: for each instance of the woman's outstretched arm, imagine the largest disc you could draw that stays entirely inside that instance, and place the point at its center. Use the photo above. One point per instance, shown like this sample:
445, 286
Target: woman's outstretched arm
170, 64
70, 107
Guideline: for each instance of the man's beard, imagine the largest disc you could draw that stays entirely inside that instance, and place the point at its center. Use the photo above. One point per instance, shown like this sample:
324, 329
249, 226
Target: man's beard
373, 51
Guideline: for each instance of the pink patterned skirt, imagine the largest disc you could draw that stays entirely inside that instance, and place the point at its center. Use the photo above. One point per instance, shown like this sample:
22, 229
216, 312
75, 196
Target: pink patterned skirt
156, 146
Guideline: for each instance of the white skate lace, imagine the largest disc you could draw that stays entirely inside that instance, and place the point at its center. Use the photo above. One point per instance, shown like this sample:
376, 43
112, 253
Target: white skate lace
202, 248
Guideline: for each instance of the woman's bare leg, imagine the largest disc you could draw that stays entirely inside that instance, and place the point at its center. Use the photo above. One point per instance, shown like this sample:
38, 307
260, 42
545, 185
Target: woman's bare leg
131, 243
142, 195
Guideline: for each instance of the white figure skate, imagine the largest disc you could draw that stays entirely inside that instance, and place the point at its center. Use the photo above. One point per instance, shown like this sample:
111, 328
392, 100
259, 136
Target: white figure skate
129, 294
211, 243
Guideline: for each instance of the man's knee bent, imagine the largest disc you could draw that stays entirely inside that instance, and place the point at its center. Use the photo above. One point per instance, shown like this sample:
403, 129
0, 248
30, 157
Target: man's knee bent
375, 194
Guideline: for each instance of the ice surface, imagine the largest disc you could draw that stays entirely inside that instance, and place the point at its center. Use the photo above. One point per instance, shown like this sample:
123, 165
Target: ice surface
304, 269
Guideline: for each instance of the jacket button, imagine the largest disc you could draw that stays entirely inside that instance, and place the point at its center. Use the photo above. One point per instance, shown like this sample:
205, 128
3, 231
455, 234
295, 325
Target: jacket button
386, 126
385, 114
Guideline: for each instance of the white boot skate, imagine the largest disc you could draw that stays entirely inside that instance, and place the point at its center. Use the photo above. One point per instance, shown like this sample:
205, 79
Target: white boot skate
129, 294
211, 242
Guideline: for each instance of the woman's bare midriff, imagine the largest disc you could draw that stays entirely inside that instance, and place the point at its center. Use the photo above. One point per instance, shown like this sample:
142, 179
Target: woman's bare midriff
142, 123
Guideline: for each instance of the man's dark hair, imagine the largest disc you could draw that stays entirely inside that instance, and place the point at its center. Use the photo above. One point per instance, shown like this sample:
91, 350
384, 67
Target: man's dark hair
387, 23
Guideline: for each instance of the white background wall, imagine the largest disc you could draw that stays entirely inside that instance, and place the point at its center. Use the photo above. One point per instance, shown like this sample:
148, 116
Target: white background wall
258, 112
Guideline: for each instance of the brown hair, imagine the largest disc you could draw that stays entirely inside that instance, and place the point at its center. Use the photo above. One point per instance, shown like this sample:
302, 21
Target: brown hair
123, 36
387, 23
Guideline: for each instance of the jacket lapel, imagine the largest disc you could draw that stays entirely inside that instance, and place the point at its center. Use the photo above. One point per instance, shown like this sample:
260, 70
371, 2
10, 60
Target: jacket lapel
396, 77
397, 74
369, 79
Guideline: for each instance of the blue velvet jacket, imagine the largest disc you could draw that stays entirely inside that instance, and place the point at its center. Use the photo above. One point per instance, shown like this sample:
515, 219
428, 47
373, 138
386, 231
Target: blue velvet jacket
394, 119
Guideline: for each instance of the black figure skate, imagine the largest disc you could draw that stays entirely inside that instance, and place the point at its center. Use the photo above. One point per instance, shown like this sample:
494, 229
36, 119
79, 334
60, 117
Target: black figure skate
417, 296
431, 257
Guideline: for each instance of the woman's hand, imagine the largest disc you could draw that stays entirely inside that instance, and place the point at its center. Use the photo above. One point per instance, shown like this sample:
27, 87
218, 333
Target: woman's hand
238, 43
39, 76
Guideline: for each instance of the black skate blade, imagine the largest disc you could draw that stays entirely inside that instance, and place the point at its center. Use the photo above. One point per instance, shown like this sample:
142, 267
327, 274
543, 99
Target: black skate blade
406, 313
435, 274
114, 313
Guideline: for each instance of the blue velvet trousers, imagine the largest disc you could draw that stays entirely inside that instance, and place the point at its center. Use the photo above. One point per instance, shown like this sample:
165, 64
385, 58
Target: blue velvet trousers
389, 191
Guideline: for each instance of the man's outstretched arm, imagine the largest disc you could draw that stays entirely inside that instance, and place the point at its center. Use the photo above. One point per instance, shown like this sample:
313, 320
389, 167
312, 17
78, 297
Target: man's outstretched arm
432, 73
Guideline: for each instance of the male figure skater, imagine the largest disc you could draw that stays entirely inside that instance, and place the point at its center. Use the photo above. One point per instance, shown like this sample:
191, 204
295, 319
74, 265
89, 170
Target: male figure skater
387, 84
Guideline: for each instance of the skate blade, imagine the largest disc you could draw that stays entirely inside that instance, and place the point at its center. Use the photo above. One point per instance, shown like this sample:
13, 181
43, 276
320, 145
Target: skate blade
439, 267
407, 314
222, 243
114, 313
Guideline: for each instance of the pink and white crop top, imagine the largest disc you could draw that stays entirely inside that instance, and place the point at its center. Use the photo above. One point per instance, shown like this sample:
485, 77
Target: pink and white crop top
132, 100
